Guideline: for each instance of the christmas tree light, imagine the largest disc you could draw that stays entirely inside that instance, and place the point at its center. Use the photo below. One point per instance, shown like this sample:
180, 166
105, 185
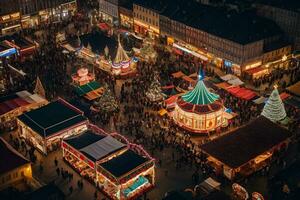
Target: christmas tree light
274, 109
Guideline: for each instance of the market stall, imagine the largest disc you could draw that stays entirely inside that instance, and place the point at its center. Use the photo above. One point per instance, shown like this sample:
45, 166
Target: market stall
247, 149
15, 104
6, 50
24, 46
83, 151
120, 169
127, 175
241, 92
90, 91
45, 127
83, 76
294, 89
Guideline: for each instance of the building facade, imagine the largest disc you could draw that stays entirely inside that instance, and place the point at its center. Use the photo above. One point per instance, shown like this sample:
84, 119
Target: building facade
16, 173
18, 14
109, 11
126, 16
238, 47
288, 18
146, 20
9, 16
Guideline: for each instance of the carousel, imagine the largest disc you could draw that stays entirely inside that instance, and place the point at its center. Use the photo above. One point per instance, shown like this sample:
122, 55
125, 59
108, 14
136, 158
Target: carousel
122, 65
83, 76
199, 110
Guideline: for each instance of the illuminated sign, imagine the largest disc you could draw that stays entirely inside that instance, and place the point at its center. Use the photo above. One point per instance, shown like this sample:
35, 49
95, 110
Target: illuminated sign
227, 63
8, 52
190, 52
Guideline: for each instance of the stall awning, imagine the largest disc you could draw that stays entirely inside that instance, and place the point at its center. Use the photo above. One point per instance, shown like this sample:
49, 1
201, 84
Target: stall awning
284, 96
171, 100
102, 148
141, 181
242, 93
236, 82
260, 100
228, 77
92, 90
162, 112
103, 26
294, 89
188, 79
223, 85
256, 70
178, 74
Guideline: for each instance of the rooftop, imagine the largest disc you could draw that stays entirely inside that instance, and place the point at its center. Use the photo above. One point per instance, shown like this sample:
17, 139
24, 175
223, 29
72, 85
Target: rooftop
123, 163
216, 20
16, 100
293, 5
246, 143
95, 146
84, 139
52, 118
10, 158
200, 95
48, 192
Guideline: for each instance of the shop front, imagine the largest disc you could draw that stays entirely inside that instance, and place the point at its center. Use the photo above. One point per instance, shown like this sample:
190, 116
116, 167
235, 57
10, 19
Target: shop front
44, 16
68, 9
145, 29
190, 50
28, 21
232, 68
46, 126
126, 21
10, 23
120, 182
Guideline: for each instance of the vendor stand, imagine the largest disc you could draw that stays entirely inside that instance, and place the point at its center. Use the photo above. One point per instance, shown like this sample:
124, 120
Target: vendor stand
122, 170
45, 127
15, 104
126, 176
83, 151
247, 149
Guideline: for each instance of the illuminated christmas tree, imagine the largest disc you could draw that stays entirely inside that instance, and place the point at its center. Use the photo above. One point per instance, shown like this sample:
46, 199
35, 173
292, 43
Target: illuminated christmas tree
274, 109
154, 92
107, 102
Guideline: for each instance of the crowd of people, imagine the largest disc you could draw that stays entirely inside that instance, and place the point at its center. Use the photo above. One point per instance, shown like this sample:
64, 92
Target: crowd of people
137, 116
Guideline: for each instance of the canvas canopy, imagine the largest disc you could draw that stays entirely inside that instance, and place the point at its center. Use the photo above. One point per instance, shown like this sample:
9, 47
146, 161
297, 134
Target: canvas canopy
236, 81
228, 77
178, 74
260, 100
102, 148
242, 92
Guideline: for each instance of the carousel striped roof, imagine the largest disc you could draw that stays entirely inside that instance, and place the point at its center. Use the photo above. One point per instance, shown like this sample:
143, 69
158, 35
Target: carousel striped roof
200, 95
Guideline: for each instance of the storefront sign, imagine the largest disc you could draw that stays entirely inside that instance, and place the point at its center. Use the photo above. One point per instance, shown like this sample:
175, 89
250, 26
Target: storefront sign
190, 52
227, 63
8, 52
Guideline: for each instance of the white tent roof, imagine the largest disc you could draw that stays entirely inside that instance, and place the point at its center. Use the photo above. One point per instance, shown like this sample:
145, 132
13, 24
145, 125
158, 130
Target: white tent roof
228, 77
235, 82
37, 98
103, 147
23, 93
260, 100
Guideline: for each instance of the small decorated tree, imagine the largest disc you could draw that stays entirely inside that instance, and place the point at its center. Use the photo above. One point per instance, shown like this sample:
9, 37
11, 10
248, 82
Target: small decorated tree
154, 92
274, 109
107, 102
